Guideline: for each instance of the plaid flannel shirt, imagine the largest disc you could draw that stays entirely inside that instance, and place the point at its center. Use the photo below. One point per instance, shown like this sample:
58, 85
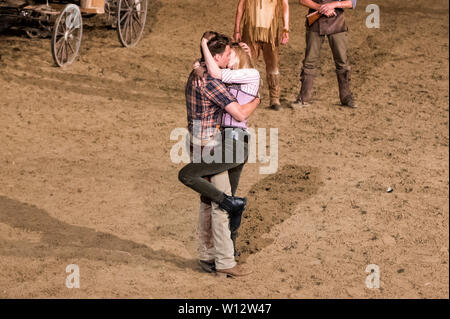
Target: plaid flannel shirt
205, 105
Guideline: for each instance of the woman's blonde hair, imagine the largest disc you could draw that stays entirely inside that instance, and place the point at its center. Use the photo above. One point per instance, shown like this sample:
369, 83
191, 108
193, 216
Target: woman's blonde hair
245, 61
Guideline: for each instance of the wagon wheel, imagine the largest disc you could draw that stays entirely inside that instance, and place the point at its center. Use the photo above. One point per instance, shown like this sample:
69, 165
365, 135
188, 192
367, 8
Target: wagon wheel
67, 34
131, 16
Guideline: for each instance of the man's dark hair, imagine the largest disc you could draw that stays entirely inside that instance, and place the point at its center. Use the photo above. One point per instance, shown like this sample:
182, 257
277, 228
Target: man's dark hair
217, 45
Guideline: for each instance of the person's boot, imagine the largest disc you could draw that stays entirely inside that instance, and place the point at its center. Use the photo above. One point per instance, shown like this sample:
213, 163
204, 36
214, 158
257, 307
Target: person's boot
235, 220
306, 91
345, 94
207, 265
233, 205
234, 234
273, 81
235, 223
236, 271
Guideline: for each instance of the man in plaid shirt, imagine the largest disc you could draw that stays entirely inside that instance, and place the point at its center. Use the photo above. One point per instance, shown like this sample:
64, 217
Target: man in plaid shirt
205, 104
206, 100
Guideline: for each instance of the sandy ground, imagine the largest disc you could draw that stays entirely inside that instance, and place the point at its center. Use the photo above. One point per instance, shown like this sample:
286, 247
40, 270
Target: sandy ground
86, 176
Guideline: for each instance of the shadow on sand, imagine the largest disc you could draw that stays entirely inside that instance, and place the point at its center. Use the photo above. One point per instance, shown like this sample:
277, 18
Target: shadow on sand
64, 241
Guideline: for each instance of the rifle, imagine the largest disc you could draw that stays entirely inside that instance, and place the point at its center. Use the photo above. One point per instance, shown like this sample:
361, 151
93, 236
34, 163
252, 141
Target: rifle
312, 17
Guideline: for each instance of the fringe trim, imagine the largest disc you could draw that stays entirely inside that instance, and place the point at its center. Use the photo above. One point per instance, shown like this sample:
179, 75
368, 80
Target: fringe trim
256, 34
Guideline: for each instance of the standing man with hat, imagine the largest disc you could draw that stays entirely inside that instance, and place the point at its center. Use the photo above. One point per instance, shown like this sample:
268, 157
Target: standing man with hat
262, 31
331, 23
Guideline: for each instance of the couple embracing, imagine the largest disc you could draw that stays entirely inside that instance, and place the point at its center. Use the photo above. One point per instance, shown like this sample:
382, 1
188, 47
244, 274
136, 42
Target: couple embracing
221, 93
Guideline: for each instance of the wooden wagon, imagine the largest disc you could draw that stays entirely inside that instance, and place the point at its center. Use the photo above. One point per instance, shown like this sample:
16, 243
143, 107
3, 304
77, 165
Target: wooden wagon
63, 21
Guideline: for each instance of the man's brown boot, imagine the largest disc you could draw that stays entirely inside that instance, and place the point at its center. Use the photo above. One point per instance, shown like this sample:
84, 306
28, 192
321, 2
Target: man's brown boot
306, 91
236, 271
345, 94
274, 90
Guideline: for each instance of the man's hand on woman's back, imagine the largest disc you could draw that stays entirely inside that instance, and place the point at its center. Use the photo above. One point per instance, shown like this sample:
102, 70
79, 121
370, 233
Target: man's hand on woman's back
199, 73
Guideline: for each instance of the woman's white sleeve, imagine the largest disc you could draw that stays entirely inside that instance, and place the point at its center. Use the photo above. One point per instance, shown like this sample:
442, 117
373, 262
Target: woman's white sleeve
241, 76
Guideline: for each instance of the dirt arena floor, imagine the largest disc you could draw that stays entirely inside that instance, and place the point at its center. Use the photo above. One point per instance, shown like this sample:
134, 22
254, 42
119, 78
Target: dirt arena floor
86, 176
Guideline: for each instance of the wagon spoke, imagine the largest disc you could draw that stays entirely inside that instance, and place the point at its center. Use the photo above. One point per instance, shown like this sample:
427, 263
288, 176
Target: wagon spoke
138, 20
74, 30
138, 26
133, 26
59, 33
125, 31
58, 51
70, 47
66, 52
61, 56
59, 40
60, 48
124, 16
62, 25
130, 29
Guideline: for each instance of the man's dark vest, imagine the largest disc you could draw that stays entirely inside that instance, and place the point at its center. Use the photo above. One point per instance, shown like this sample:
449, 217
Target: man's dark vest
328, 25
